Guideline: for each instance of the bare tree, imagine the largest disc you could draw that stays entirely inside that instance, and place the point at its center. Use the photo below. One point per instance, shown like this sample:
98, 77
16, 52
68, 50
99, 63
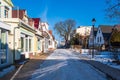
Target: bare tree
65, 28
113, 10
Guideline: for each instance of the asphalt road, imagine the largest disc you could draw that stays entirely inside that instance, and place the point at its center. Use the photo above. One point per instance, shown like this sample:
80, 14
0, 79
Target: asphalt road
66, 65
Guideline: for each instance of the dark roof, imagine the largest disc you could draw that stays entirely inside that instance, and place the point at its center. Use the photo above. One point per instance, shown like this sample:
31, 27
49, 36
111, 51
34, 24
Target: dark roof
106, 28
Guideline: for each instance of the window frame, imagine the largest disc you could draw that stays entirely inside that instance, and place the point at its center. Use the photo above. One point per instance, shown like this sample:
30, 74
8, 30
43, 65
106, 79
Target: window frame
6, 12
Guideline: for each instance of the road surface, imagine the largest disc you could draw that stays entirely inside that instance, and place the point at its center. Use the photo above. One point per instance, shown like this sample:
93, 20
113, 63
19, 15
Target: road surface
66, 65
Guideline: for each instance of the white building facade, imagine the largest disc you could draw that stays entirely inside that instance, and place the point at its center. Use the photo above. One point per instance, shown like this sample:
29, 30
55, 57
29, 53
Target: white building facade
84, 30
6, 55
99, 38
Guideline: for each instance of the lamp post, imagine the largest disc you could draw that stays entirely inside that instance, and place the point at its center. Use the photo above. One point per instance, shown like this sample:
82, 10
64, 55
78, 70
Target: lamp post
93, 23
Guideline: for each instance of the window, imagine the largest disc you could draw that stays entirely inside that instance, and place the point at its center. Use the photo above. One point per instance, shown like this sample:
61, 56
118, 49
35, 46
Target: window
22, 44
99, 31
3, 39
29, 44
26, 44
49, 42
6, 12
39, 44
3, 47
100, 39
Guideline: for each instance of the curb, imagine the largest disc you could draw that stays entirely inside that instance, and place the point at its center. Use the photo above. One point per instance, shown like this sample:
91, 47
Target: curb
111, 73
14, 75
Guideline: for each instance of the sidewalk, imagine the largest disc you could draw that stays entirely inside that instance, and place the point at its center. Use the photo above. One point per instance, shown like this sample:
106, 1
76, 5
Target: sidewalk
28, 68
112, 73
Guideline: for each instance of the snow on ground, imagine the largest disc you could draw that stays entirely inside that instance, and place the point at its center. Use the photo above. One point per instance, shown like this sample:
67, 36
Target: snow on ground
65, 65
104, 57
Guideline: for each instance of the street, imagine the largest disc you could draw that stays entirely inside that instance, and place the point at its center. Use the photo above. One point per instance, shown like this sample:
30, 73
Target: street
59, 40
66, 65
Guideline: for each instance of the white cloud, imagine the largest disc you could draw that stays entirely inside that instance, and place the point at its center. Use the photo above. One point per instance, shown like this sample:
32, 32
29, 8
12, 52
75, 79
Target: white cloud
44, 15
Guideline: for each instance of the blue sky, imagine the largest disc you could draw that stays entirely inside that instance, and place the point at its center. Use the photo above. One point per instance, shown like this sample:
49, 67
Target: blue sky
52, 11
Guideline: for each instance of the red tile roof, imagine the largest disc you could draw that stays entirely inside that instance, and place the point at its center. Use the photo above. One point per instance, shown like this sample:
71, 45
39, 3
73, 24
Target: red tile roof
36, 22
18, 13
50, 31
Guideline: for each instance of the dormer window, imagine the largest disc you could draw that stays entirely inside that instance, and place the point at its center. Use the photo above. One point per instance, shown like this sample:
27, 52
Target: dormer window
6, 12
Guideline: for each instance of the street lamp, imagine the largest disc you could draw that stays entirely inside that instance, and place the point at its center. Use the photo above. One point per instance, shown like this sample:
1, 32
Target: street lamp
93, 23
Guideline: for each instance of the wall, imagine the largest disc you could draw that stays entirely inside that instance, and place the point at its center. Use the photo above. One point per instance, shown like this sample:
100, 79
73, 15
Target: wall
3, 3
83, 30
99, 34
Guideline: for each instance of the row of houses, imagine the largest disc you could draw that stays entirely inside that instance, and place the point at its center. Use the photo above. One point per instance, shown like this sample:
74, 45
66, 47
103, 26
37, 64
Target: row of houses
22, 35
101, 38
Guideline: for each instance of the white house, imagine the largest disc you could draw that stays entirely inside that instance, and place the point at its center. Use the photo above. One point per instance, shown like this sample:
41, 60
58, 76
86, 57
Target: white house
52, 41
49, 40
103, 35
38, 39
6, 8
92, 37
45, 32
6, 56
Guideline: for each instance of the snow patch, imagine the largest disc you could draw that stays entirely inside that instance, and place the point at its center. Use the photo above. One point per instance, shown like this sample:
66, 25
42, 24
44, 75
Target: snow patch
104, 57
